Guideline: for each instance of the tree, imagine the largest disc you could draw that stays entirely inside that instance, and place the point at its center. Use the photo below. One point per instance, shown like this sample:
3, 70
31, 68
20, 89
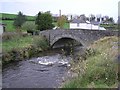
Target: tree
44, 21
83, 17
106, 18
37, 21
98, 19
111, 19
61, 21
102, 19
20, 19
87, 18
30, 27
92, 17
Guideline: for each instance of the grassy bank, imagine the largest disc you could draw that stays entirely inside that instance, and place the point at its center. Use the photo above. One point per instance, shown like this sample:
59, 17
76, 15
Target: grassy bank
20, 48
99, 69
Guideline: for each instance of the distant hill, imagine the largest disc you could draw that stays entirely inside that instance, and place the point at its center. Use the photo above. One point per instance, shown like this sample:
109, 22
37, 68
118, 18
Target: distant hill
6, 16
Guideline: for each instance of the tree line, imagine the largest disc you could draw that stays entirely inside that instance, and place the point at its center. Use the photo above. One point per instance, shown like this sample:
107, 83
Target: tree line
43, 21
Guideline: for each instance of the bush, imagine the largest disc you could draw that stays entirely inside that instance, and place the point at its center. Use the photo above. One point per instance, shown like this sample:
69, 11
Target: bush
41, 42
30, 27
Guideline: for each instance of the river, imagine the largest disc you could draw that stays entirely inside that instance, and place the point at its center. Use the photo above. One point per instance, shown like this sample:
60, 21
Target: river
48, 70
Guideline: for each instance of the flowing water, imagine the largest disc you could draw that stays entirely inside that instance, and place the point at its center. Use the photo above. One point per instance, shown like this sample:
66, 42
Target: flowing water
46, 71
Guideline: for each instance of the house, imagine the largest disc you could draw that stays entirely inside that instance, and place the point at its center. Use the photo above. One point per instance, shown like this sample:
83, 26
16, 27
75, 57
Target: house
84, 24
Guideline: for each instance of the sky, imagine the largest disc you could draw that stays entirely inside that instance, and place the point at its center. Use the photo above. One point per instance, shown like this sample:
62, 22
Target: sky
78, 7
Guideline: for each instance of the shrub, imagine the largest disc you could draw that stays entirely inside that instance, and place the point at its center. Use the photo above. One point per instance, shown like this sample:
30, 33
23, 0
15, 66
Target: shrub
41, 42
30, 27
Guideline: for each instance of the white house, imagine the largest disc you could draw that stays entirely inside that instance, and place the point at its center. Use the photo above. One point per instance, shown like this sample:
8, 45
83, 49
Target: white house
82, 24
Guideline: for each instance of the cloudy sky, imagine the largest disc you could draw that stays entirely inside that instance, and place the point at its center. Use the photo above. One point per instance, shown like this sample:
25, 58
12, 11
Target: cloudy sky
32, 7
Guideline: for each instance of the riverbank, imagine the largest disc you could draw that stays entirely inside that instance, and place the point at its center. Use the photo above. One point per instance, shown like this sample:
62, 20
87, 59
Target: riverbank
98, 68
22, 47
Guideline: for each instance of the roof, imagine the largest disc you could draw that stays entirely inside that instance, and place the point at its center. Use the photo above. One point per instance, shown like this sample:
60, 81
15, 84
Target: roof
78, 21
94, 22
84, 21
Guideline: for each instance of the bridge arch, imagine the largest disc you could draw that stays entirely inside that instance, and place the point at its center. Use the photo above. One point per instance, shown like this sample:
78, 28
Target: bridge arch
68, 36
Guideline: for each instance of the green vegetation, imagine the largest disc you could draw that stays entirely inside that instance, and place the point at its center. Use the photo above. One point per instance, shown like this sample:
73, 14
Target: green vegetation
61, 21
17, 43
99, 69
66, 25
20, 48
44, 21
9, 25
22, 42
110, 26
20, 19
8, 19
13, 16
5, 15
29, 26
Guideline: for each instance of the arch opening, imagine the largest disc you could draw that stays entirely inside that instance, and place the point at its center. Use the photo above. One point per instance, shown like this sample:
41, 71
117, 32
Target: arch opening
66, 42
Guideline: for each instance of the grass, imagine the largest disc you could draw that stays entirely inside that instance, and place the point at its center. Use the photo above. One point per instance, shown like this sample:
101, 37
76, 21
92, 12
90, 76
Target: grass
4, 15
22, 42
12, 16
17, 43
66, 25
100, 68
9, 25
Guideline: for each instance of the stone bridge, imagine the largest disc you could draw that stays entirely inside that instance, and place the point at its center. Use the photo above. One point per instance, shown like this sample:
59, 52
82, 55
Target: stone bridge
85, 37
